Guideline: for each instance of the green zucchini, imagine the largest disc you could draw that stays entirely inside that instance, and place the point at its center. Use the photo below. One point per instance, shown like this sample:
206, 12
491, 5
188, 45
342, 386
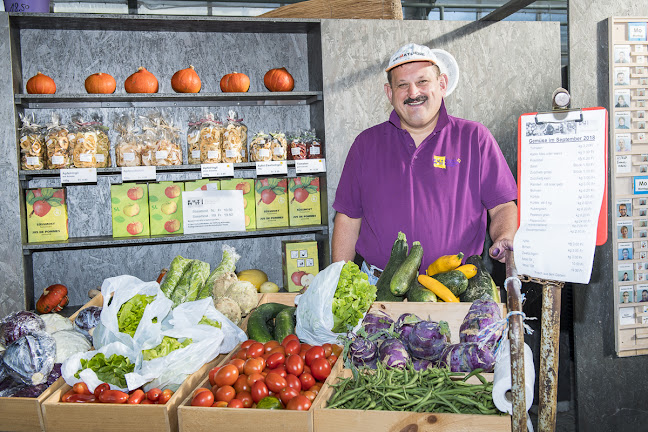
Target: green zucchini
398, 255
407, 271
284, 323
480, 284
418, 293
454, 280
260, 324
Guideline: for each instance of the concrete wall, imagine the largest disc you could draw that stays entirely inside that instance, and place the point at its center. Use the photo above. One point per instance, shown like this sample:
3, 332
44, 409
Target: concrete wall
611, 391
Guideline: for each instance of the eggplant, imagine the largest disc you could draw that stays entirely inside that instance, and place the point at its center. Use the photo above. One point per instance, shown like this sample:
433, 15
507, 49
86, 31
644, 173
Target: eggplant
428, 339
393, 353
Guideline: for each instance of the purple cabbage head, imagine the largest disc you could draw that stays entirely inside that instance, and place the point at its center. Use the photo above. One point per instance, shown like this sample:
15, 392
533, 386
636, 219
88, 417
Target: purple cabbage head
428, 339
19, 324
8, 387
55, 374
363, 352
421, 364
466, 357
31, 391
30, 359
485, 306
375, 322
393, 353
473, 325
87, 320
404, 325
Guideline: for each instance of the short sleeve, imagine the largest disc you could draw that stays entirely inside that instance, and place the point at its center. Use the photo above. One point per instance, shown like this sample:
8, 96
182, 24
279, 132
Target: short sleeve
497, 182
348, 198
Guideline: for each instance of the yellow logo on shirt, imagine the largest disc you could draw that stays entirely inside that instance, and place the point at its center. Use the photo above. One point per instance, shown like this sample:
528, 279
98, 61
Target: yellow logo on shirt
439, 162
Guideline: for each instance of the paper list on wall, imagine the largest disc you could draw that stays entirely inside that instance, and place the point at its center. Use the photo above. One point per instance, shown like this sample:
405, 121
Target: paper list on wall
562, 180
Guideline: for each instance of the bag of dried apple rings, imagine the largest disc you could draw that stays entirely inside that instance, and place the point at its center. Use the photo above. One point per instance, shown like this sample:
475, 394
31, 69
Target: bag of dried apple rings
32, 145
193, 140
234, 139
128, 151
57, 143
211, 138
91, 144
279, 146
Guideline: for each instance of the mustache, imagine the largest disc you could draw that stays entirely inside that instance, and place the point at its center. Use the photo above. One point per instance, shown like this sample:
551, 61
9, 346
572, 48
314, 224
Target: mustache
415, 100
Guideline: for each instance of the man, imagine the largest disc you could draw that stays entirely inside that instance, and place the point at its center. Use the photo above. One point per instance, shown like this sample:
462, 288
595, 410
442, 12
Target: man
644, 296
621, 79
626, 297
423, 172
623, 210
625, 254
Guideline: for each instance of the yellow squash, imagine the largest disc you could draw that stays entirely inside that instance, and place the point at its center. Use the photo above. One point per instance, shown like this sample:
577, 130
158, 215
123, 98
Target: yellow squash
255, 276
437, 288
468, 270
445, 263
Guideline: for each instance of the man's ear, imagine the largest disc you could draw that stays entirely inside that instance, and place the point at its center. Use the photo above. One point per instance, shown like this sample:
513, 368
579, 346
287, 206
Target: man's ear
388, 91
443, 83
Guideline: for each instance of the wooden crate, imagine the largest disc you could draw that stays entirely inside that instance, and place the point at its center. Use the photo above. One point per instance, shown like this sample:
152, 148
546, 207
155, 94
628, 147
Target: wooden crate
21, 414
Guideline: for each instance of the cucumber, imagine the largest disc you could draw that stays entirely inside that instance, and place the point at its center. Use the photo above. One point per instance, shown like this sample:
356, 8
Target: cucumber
284, 323
418, 293
407, 271
260, 324
398, 255
454, 280
480, 284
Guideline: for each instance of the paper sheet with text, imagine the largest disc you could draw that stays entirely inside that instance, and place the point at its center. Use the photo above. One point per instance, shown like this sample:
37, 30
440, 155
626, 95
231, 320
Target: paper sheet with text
561, 182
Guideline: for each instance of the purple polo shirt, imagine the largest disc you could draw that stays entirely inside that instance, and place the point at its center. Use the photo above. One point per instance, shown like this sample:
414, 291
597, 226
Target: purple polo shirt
437, 193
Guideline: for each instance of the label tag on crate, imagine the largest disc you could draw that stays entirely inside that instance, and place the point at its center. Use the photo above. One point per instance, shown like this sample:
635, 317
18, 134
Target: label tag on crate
79, 175
138, 173
217, 170
305, 166
271, 168
213, 211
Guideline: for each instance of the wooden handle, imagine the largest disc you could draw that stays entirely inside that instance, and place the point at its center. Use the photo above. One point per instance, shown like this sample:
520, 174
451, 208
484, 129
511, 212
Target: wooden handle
93, 293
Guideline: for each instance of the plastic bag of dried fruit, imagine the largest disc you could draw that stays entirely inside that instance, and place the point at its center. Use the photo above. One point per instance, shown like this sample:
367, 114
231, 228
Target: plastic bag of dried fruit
260, 150
32, 145
160, 141
128, 149
314, 146
234, 139
57, 144
278, 146
193, 140
91, 144
211, 138
297, 146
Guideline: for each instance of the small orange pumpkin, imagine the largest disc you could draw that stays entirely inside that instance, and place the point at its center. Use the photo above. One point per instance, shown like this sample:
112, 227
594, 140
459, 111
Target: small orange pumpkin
186, 81
40, 84
141, 81
235, 82
100, 83
279, 80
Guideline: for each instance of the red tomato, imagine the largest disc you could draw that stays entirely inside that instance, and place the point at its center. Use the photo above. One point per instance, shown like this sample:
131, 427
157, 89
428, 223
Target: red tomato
252, 366
242, 354
153, 394
307, 380
307, 369
255, 350
316, 388
259, 391
81, 388
247, 343
212, 374
294, 365
305, 347
332, 359
241, 384
293, 347
289, 338
275, 382
225, 393
268, 346
204, 399
251, 379
220, 404
227, 375
235, 403
328, 349
113, 396
148, 402
310, 395
337, 349
165, 396
101, 387
300, 403
278, 349
136, 397
238, 363
281, 370
200, 389
321, 369
293, 382
246, 398
314, 353
287, 394
275, 360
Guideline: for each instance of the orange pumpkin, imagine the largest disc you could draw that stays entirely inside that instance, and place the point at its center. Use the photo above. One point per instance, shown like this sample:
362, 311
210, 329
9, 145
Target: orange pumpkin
279, 80
53, 299
235, 82
186, 81
100, 83
141, 81
40, 84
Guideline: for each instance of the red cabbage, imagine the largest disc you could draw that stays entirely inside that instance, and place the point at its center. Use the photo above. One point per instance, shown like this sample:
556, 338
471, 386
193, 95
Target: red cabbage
8, 387
19, 324
466, 357
404, 325
363, 352
55, 374
31, 391
30, 359
428, 339
393, 353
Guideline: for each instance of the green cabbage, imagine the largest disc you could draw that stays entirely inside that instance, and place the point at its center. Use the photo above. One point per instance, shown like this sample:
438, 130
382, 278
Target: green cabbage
353, 297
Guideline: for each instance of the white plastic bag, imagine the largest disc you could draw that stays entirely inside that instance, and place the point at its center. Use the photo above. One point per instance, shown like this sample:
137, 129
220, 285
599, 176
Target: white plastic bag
315, 308
122, 289
72, 365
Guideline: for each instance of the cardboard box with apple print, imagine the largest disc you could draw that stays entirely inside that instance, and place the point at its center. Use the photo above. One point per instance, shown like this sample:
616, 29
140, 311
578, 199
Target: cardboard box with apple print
249, 207
300, 264
130, 210
271, 195
202, 184
304, 201
47, 218
165, 207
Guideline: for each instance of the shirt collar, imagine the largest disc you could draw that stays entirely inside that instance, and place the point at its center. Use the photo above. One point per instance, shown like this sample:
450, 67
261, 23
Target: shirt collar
441, 122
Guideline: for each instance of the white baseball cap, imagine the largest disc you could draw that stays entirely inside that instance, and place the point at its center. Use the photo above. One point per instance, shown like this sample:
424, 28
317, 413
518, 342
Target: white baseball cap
444, 60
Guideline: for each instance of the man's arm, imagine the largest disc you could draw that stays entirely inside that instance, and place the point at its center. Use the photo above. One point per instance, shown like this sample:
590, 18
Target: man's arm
345, 235
503, 226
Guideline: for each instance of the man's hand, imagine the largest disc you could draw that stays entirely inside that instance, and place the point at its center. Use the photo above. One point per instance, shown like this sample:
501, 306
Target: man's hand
345, 235
502, 229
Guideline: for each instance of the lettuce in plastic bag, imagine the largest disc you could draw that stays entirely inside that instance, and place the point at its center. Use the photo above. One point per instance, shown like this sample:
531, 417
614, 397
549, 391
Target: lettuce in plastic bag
111, 370
130, 314
167, 345
211, 322
353, 297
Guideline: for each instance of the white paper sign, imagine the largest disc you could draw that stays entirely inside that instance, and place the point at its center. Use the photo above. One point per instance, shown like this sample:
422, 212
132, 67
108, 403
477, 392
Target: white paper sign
561, 190
79, 175
213, 211
271, 168
623, 164
305, 166
138, 173
217, 170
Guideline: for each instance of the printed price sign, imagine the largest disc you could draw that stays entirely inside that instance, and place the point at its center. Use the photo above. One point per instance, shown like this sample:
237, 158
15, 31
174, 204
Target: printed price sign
79, 175
138, 173
641, 185
271, 168
217, 170
310, 166
213, 211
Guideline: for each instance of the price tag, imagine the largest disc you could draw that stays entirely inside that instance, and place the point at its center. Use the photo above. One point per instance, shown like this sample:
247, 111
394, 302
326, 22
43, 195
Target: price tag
217, 170
138, 173
213, 211
304, 166
271, 168
79, 175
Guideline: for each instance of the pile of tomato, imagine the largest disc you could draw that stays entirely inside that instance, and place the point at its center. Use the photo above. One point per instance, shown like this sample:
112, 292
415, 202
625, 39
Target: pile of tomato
103, 394
273, 375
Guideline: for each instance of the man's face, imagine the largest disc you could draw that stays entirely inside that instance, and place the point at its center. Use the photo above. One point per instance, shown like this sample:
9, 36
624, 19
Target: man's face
625, 254
620, 77
626, 296
622, 209
621, 121
644, 295
416, 93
